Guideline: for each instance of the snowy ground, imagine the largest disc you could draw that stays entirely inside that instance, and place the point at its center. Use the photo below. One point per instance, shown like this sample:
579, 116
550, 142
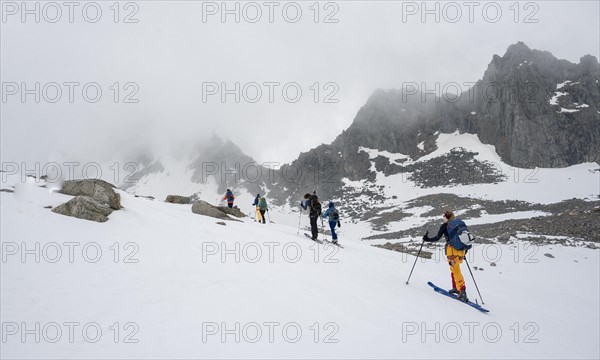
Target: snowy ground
167, 284
538, 185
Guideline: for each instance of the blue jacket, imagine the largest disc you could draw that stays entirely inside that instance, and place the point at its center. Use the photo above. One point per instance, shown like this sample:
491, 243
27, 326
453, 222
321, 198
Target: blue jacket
330, 212
256, 200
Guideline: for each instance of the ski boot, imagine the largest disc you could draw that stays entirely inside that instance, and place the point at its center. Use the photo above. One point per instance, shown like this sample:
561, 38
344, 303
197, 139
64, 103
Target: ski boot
462, 295
453, 291
334, 241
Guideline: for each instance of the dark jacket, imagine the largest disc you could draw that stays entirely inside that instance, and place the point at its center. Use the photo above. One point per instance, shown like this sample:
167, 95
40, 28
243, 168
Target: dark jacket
443, 231
312, 203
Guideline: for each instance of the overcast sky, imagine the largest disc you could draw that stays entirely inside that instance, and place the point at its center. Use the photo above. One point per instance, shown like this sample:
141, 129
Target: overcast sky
173, 55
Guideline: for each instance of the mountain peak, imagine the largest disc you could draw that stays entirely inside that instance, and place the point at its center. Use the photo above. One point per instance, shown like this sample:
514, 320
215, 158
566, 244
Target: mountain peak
518, 48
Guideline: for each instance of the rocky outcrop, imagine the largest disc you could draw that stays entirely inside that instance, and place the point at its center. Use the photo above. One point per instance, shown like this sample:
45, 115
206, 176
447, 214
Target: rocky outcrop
542, 111
514, 107
177, 199
99, 190
84, 207
203, 208
535, 109
234, 211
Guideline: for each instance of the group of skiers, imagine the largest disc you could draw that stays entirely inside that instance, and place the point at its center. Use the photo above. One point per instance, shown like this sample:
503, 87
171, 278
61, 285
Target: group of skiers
311, 202
453, 229
259, 201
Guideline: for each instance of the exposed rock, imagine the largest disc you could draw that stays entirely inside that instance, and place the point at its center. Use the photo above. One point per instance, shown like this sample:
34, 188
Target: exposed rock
145, 197
492, 264
48, 207
203, 208
549, 255
221, 223
234, 211
399, 247
99, 190
7, 190
84, 207
585, 226
504, 237
177, 199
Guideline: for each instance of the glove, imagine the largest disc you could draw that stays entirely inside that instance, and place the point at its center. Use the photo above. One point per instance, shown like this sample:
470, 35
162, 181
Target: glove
425, 237
339, 224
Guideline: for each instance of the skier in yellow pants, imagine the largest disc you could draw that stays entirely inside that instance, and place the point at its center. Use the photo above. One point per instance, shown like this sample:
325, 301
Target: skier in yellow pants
455, 258
257, 204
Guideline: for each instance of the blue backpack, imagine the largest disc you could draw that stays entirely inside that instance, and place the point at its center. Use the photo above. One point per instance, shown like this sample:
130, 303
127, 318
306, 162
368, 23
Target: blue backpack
459, 236
230, 196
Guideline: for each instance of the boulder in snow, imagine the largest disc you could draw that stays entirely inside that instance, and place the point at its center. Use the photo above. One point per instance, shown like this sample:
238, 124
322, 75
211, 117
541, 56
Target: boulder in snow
203, 208
234, 211
84, 207
100, 190
178, 199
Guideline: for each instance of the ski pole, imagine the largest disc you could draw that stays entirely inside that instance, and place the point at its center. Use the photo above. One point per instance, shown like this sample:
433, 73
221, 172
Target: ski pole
299, 220
476, 287
269, 216
323, 229
413, 267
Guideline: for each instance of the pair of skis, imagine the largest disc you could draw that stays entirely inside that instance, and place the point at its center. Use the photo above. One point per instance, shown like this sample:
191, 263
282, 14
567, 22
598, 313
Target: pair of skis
439, 290
321, 241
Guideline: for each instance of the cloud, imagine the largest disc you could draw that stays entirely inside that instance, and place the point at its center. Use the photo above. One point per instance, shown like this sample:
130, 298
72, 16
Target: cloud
168, 60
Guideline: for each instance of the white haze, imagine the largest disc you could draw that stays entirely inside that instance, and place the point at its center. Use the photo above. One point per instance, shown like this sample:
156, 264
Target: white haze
170, 52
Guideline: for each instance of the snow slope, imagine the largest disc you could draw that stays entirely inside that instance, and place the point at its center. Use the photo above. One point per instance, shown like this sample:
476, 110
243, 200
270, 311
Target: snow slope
173, 288
539, 185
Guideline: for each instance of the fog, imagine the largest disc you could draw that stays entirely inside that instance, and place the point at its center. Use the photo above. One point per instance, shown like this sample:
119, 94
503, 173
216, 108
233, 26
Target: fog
163, 68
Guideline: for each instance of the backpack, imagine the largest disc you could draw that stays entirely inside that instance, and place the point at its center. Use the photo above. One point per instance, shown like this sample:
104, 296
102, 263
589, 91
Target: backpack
263, 204
459, 236
230, 196
315, 204
335, 215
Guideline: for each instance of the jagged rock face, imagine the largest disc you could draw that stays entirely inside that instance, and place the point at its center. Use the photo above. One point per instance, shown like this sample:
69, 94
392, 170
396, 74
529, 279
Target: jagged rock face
516, 107
84, 207
100, 190
517, 114
510, 108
